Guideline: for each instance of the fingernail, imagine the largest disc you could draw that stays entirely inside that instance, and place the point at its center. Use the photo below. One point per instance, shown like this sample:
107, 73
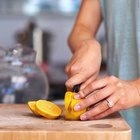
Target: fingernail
77, 107
77, 96
83, 117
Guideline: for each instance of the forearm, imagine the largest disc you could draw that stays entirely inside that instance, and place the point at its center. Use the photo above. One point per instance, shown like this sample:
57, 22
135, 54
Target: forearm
86, 24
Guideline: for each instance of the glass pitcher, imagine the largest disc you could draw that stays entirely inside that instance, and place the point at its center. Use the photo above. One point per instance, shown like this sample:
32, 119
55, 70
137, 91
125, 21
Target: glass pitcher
21, 79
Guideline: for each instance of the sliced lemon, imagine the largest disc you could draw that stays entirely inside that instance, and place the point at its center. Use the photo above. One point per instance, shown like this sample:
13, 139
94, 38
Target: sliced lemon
31, 105
76, 114
48, 109
70, 102
67, 99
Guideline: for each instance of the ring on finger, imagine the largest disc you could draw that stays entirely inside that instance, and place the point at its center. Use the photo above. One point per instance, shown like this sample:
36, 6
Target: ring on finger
110, 103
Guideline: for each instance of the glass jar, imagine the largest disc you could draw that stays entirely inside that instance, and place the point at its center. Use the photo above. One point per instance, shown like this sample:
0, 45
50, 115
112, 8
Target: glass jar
21, 79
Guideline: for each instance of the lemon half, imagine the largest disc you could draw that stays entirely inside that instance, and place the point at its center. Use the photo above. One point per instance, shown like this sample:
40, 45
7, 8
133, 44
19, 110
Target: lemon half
32, 106
48, 109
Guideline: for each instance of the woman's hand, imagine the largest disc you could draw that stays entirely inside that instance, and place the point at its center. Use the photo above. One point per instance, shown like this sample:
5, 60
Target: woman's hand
107, 95
84, 65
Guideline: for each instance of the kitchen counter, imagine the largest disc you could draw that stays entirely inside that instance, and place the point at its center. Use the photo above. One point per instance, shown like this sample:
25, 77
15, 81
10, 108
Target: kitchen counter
17, 122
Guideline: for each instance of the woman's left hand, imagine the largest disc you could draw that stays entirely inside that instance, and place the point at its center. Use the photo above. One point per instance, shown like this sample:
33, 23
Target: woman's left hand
105, 96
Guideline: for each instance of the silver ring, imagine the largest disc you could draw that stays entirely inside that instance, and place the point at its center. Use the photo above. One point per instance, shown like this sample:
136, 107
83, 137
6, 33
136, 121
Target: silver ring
110, 103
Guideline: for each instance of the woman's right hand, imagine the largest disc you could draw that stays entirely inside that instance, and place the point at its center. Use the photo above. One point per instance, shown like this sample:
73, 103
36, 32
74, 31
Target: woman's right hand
84, 65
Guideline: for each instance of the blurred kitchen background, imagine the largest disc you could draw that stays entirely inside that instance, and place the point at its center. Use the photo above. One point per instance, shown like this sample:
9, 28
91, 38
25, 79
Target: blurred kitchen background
44, 25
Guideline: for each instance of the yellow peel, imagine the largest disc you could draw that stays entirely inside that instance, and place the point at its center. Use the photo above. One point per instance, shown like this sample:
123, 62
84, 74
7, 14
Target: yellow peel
31, 105
70, 102
67, 99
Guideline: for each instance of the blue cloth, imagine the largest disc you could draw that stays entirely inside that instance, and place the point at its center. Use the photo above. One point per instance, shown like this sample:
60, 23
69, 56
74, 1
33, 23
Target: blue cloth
122, 23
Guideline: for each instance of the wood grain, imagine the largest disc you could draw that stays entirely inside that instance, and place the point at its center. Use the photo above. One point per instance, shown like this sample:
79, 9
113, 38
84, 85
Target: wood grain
17, 122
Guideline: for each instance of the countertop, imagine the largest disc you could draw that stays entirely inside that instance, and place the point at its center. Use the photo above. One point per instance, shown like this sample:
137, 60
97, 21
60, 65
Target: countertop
17, 122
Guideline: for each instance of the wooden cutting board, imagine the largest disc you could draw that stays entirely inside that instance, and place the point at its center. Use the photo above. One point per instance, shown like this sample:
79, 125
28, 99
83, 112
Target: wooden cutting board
17, 122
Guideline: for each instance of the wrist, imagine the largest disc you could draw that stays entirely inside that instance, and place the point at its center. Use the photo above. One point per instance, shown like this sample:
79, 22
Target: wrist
136, 84
89, 43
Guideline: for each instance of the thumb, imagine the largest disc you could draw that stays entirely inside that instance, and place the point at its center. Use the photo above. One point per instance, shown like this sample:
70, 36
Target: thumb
75, 80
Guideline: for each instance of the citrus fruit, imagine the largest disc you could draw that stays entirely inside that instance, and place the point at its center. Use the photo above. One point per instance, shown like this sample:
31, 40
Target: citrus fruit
70, 102
47, 109
31, 105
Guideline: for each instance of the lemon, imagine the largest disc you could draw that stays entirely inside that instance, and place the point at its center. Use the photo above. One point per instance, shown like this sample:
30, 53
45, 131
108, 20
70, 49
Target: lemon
70, 102
31, 105
68, 99
48, 109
